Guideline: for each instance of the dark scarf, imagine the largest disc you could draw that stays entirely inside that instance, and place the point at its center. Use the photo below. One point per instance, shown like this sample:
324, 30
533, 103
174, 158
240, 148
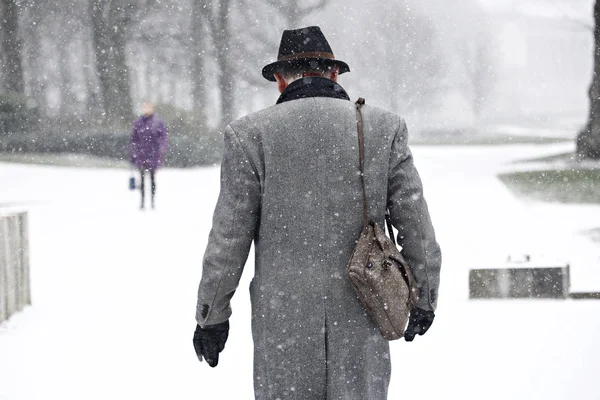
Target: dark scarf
313, 87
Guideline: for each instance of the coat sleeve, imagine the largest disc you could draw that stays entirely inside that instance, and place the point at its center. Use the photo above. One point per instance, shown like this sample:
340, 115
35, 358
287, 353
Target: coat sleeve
410, 215
235, 221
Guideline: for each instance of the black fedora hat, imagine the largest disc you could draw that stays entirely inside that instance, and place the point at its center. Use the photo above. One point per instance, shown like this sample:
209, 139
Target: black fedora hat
305, 47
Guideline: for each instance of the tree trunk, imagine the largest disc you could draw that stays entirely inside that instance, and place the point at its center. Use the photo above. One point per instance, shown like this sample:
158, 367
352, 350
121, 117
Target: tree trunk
394, 83
108, 36
221, 33
101, 50
34, 56
197, 72
121, 105
588, 140
93, 103
67, 96
11, 46
152, 79
291, 15
165, 90
227, 89
478, 80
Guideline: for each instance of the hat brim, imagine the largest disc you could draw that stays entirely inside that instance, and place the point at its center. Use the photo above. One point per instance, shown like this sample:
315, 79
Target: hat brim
309, 63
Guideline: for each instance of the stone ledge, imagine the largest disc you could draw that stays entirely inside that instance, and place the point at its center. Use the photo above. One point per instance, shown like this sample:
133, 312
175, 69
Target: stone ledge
520, 283
585, 296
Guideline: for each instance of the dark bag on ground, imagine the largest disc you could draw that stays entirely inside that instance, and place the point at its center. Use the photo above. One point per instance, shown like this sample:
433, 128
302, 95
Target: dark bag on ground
132, 182
381, 278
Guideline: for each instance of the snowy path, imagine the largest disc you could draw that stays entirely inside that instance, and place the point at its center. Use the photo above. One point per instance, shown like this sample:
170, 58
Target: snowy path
114, 290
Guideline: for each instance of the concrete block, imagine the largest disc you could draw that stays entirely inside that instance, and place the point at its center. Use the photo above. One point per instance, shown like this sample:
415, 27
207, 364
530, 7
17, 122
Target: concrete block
3, 269
10, 268
586, 296
519, 283
14, 264
26, 278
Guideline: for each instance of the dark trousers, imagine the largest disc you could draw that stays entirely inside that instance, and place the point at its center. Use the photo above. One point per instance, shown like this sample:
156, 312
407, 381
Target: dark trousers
152, 174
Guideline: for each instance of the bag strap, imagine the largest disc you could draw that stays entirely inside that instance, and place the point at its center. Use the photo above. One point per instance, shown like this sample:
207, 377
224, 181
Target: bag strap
361, 148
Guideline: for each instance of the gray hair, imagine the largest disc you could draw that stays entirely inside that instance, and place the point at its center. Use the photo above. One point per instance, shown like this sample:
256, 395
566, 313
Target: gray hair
293, 75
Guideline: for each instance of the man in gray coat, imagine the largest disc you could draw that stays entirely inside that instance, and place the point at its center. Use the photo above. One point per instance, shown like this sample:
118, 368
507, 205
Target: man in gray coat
290, 184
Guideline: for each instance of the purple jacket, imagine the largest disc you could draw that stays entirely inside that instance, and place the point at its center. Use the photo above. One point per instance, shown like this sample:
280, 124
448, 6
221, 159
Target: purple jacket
148, 143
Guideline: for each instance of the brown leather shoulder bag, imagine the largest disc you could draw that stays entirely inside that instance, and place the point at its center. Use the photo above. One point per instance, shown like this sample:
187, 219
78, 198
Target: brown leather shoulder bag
381, 278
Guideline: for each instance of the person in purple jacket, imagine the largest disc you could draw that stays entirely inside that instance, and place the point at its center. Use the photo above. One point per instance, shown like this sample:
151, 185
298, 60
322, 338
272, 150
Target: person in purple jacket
148, 147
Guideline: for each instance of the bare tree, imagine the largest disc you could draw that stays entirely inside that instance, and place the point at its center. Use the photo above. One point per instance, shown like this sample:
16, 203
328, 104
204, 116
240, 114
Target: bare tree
198, 30
293, 12
56, 44
217, 16
93, 102
212, 22
588, 140
264, 21
477, 67
33, 68
111, 21
69, 27
283, 14
161, 45
11, 46
409, 49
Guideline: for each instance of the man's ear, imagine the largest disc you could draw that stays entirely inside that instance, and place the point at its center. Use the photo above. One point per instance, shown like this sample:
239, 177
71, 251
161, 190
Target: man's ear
334, 74
281, 83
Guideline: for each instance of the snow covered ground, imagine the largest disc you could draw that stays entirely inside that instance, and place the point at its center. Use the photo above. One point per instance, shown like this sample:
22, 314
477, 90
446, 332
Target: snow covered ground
114, 290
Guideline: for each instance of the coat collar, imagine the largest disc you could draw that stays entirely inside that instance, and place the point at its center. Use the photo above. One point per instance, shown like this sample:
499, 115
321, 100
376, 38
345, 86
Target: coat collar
313, 87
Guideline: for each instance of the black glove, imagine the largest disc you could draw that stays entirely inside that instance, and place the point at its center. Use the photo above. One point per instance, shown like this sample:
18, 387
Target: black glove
419, 322
210, 341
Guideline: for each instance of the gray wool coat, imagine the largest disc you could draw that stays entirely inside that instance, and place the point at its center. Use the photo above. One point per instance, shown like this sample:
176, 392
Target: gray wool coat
290, 183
